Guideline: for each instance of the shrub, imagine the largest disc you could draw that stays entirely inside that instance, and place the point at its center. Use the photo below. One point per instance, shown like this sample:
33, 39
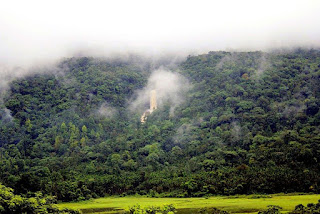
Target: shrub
166, 209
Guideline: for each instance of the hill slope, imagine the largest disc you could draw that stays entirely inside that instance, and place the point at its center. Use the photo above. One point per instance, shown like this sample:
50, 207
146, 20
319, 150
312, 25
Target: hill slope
249, 122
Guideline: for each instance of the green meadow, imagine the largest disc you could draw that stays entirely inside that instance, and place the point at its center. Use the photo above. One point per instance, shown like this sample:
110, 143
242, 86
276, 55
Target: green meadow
234, 204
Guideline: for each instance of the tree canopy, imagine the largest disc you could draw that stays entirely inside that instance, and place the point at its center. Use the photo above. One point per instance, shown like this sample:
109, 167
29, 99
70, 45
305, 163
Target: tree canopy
249, 124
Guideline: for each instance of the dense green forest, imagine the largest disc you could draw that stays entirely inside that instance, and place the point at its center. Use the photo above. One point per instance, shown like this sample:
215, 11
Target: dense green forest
248, 124
37, 203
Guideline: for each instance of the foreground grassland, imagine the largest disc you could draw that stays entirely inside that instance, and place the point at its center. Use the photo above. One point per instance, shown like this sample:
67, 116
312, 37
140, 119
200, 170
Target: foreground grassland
234, 204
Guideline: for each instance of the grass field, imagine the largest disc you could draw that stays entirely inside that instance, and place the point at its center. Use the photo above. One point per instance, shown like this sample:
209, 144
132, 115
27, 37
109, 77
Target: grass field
234, 204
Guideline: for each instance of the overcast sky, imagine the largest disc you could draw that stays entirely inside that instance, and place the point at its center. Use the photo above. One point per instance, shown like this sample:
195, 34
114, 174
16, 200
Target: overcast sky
32, 31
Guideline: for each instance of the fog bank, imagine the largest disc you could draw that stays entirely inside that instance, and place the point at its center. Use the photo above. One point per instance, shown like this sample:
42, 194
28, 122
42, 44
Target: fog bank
36, 31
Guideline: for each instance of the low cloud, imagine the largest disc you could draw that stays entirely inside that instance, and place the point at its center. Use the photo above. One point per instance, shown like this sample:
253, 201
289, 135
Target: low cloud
170, 87
291, 111
184, 134
107, 111
264, 64
5, 115
230, 57
8, 74
236, 131
31, 31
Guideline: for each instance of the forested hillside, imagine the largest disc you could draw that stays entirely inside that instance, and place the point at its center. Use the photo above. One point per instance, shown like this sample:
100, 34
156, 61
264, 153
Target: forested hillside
249, 123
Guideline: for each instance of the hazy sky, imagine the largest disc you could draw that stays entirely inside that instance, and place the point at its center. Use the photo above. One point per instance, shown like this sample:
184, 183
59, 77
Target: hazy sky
32, 31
